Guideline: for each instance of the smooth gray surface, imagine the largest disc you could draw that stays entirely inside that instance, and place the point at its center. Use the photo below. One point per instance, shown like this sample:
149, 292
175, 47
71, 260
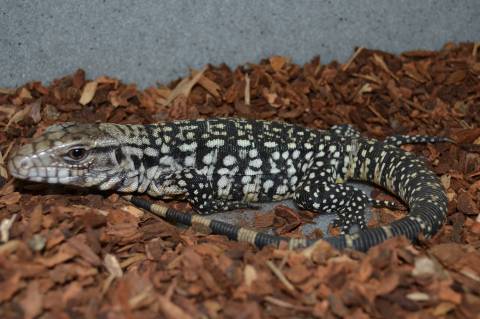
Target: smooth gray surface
149, 41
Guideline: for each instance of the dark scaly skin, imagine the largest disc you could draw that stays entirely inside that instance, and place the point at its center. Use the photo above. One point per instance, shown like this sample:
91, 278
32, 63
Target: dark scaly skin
224, 164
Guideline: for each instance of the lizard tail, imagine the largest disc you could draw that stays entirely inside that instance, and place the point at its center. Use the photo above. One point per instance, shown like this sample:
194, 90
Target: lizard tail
393, 169
217, 227
406, 176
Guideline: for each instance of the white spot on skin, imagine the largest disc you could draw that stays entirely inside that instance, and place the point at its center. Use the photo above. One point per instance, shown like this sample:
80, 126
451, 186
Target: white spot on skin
250, 192
246, 179
319, 163
267, 185
276, 155
270, 144
274, 170
242, 153
182, 183
165, 149
229, 160
207, 159
256, 163
293, 180
249, 171
215, 143
224, 171
243, 143
253, 153
151, 152
282, 189
167, 160
150, 173
189, 161
291, 171
189, 147
223, 182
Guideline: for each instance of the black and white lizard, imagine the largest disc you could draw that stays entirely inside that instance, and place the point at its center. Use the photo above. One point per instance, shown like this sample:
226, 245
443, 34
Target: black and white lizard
226, 164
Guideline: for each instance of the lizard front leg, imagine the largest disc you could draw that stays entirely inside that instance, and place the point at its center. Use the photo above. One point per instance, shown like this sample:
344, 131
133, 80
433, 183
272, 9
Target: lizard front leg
197, 189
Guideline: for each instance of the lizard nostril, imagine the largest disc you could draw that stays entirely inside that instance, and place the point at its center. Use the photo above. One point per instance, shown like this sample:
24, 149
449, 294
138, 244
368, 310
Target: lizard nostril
24, 163
20, 163
19, 166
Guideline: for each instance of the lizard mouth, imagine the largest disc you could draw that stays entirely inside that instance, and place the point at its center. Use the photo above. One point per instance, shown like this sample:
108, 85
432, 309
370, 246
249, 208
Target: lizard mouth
21, 167
34, 174
31, 168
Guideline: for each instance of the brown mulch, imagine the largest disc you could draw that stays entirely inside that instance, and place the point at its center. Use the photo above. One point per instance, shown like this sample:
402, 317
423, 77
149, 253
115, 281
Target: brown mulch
68, 253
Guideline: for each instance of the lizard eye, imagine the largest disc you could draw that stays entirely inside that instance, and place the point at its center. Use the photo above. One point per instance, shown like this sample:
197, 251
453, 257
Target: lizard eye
77, 154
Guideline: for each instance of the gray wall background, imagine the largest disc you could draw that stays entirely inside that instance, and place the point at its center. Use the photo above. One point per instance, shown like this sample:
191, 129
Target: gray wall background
149, 41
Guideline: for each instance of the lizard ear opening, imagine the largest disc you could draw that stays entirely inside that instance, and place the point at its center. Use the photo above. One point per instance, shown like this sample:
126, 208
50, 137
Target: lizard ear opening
119, 156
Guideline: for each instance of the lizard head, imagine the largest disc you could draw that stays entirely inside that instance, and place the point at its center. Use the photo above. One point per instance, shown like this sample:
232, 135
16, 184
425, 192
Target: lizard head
68, 153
